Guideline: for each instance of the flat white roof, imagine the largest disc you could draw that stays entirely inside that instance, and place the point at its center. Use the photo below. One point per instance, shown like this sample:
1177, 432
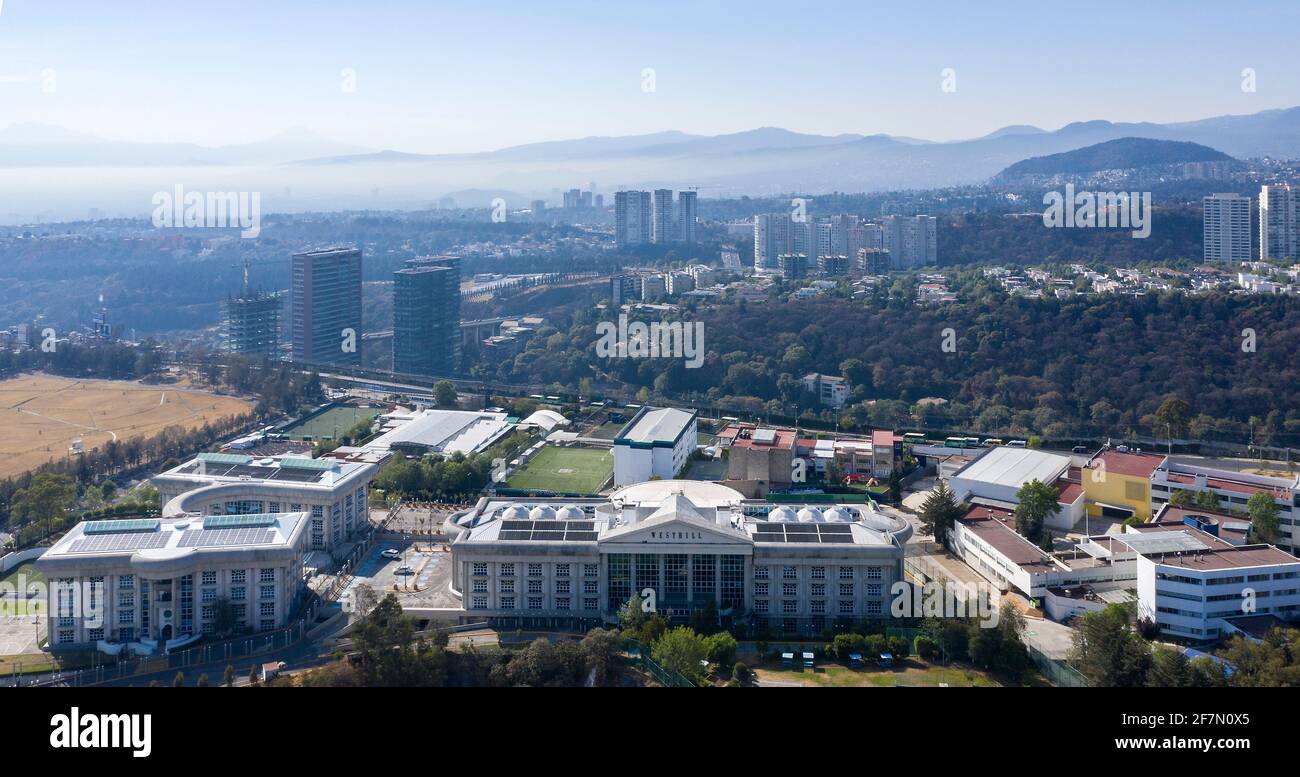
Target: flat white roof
161, 539
1014, 467
663, 424
445, 431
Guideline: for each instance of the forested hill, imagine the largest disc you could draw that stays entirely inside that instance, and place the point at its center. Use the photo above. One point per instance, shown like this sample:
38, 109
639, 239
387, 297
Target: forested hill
1091, 365
1119, 154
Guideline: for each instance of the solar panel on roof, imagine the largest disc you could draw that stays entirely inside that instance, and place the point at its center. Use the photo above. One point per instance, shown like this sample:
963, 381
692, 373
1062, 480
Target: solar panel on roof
548, 531
316, 465
107, 543
294, 475
223, 458
208, 538
121, 526
237, 521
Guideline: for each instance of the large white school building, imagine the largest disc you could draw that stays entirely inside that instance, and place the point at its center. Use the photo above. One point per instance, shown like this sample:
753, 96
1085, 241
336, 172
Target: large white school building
681, 546
333, 492
149, 584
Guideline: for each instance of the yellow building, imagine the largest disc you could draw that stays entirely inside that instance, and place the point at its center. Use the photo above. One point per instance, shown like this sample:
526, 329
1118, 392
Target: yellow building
1118, 485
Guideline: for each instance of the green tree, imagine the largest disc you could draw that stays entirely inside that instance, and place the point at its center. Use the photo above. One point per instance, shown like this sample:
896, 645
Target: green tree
179, 680
940, 512
1207, 500
1174, 416
202, 681
1273, 662
681, 650
630, 616
1168, 668
444, 394
740, 673
225, 618
1265, 518
601, 648
1108, 651
1037, 503
228, 678
47, 499
721, 648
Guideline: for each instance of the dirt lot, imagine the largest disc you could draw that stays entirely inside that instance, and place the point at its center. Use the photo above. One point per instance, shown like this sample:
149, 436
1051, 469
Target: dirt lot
42, 414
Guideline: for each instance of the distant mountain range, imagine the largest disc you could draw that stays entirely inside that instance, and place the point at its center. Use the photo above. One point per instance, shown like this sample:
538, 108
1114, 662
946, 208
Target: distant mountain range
772, 160
44, 145
306, 170
1124, 153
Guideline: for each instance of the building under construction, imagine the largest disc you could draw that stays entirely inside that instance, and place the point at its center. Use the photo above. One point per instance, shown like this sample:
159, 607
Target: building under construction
252, 324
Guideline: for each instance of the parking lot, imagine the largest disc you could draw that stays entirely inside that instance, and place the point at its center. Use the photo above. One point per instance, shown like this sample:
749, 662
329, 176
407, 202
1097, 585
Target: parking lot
421, 518
20, 634
426, 586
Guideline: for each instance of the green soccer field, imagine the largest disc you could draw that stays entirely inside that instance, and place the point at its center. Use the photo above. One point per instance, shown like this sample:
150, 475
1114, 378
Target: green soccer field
332, 424
569, 470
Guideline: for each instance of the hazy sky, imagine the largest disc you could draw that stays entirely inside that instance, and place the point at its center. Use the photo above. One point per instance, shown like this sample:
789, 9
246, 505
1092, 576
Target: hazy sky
458, 76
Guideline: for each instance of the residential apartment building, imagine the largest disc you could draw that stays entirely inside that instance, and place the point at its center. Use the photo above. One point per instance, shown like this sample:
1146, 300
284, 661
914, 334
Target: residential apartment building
624, 289
686, 217
1279, 229
792, 267
912, 241
1225, 228
653, 287
325, 319
663, 225
426, 316
632, 218
830, 390
772, 238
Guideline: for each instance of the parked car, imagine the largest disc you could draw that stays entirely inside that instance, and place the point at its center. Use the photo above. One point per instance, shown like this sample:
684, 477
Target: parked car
391, 553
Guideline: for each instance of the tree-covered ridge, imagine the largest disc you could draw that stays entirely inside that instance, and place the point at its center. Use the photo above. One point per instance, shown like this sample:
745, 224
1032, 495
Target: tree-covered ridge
1085, 365
1118, 154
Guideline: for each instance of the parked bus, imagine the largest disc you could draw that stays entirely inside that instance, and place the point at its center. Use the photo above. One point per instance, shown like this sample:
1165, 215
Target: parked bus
1017, 444
914, 438
992, 441
955, 442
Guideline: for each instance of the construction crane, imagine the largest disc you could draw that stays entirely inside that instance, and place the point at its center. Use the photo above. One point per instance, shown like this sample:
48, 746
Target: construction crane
247, 265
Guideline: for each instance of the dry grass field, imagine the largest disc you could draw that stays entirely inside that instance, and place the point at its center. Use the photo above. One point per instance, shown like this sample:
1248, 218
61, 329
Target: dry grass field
40, 415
